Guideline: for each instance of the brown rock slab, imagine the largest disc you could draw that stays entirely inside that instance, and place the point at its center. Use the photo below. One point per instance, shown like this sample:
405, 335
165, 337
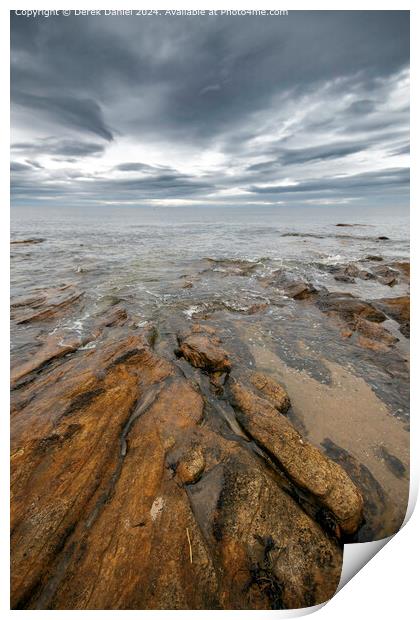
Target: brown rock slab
375, 332
60, 343
55, 346
304, 464
191, 465
203, 351
116, 315
65, 447
376, 504
398, 308
270, 553
372, 345
270, 390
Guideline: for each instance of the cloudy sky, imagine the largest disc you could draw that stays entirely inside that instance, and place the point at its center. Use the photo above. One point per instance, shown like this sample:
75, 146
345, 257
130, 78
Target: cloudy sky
309, 108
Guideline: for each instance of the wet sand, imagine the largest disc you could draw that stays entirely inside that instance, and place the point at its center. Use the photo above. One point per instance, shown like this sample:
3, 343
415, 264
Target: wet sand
348, 412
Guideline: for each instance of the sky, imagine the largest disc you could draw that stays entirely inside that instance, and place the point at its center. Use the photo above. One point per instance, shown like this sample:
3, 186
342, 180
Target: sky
311, 108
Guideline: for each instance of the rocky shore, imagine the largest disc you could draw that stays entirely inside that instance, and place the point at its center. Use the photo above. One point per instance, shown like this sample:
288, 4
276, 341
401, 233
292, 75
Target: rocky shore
165, 467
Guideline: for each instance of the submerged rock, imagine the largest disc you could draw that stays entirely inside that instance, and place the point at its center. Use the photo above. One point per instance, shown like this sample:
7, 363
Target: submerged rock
386, 275
365, 275
349, 308
27, 241
374, 258
375, 332
392, 462
343, 277
397, 308
295, 289
343, 273
60, 343
235, 267
299, 290
45, 304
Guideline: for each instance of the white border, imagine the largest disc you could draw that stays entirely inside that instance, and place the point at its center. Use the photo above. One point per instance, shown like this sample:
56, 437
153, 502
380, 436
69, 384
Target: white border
386, 586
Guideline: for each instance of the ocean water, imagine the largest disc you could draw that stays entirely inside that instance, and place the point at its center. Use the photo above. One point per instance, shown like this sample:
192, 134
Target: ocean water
162, 261
114, 249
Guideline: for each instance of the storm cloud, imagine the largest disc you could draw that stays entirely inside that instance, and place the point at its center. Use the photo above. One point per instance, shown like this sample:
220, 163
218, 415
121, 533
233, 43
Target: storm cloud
211, 110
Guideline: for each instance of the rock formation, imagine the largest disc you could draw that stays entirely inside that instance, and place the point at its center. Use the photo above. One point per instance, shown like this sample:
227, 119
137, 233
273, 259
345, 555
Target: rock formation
148, 481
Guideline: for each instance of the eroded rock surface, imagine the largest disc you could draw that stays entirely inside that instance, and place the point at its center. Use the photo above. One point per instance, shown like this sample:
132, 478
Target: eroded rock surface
203, 350
43, 305
271, 390
349, 308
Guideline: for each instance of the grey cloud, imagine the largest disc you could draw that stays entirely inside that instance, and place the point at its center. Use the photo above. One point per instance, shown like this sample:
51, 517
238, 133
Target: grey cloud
79, 113
394, 177
89, 187
64, 147
210, 88
252, 59
16, 166
363, 106
314, 153
34, 164
403, 150
136, 167
259, 92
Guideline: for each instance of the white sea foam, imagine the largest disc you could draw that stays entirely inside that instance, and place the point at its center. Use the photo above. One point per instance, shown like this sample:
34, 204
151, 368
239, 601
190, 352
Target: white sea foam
191, 311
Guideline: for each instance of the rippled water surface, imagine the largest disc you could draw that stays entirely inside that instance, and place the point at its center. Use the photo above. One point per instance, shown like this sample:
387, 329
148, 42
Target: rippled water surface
114, 251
